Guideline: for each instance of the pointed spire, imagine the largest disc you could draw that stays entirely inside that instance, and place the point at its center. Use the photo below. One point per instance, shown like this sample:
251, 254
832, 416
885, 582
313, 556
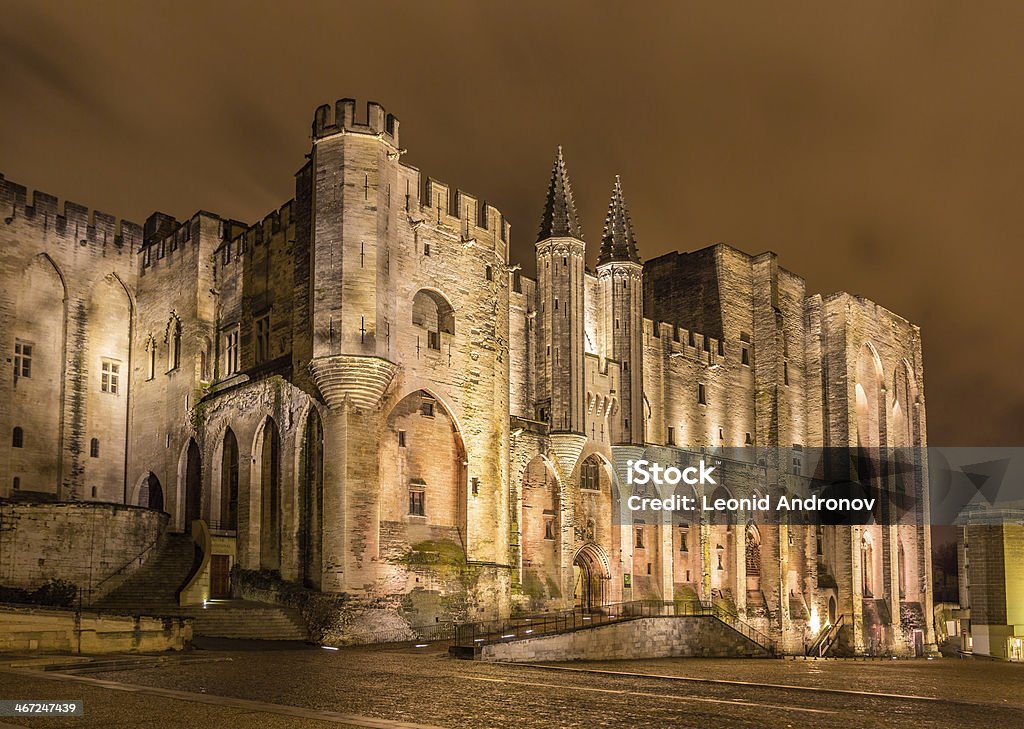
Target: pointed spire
559, 219
618, 242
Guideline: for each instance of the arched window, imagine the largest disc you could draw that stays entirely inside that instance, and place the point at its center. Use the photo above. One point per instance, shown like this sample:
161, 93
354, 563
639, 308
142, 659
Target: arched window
432, 312
229, 482
590, 474
173, 344
94, 448
18, 438
150, 358
866, 567
753, 556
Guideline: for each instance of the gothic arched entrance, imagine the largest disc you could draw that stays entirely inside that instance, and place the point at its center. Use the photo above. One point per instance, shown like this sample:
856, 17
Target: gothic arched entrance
590, 578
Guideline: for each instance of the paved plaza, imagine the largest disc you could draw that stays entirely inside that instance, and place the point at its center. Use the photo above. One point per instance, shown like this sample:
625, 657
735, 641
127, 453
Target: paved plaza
395, 687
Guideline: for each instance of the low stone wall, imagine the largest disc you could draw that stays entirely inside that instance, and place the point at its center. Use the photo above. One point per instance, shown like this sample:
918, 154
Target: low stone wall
82, 543
658, 637
53, 630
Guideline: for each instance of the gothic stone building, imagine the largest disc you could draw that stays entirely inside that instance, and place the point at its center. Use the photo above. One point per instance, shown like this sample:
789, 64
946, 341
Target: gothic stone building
362, 394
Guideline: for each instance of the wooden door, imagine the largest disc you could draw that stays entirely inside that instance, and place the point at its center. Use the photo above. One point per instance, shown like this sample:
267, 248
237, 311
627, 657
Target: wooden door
220, 576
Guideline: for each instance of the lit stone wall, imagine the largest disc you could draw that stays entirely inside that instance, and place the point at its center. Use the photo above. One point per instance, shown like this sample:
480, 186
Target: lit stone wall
94, 546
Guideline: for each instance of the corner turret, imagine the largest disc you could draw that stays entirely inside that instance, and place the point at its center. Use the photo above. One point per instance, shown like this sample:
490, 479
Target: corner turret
561, 271
618, 242
559, 220
620, 277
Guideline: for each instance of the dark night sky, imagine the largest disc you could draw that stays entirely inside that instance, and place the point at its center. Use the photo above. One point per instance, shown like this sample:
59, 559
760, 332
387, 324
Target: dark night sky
876, 147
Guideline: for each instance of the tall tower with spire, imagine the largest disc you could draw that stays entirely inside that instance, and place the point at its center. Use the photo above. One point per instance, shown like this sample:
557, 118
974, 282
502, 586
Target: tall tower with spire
560, 282
620, 281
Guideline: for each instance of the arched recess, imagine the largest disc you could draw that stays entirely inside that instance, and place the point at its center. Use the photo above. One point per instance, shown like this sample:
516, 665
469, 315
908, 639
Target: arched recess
39, 338
433, 312
193, 491
268, 460
867, 565
229, 482
686, 544
722, 547
597, 514
150, 493
311, 499
107, 368
753, 558
591, 578
542, 535
423, 477
869, 391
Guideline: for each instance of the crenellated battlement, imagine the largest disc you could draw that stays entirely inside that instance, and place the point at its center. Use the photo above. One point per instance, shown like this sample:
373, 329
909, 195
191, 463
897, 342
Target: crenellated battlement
683, 341
235, 246
328, 121
463, 212
71, 221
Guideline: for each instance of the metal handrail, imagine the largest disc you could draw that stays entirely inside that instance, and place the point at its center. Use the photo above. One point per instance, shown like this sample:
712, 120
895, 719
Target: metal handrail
826, 638
496, 631
138, 557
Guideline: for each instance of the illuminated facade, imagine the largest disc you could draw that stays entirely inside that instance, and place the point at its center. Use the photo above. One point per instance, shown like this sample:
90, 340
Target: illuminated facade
362, 394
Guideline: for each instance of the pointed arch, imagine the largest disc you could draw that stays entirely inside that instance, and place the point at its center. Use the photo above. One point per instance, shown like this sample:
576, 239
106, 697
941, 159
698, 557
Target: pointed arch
39, 329
107, 367
229, 481
311, 499
267, 461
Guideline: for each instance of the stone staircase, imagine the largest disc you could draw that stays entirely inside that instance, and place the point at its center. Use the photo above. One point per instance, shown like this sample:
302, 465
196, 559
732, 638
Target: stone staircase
153, 589
247, 620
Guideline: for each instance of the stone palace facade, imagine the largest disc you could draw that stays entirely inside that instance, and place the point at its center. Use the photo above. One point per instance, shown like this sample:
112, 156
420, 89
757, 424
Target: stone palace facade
364, 395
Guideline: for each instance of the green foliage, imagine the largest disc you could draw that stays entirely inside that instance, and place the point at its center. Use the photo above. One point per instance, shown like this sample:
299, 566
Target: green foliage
54, 593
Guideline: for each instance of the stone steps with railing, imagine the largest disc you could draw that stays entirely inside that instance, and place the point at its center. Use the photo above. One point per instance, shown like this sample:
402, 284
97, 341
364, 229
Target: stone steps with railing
471, 637
153, 588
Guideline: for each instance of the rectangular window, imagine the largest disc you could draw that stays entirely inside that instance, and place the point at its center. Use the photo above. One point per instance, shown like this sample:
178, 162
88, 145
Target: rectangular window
263, 339
22, 359
671, 436
401, 439
785, 373
683, 534
427, 408
231, 352
426, 249
489, 273
110, 376
434, 340
549, 528
702, 394
745, 355
417, 501
639, 538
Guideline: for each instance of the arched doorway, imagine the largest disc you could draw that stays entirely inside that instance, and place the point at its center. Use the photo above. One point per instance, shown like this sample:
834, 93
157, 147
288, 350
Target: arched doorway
832, 610
151, 494
229, 482
590, 578
270, 497
193, 484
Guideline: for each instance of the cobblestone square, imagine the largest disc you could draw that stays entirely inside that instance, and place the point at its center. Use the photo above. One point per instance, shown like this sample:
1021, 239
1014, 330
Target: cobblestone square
390, 687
